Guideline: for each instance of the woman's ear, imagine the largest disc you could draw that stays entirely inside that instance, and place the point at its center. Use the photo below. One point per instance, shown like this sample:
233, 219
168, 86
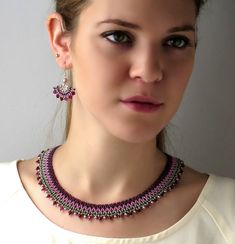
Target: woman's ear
59, 40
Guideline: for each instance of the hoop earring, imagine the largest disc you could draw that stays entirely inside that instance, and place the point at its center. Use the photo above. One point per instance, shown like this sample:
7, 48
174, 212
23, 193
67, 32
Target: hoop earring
64, 91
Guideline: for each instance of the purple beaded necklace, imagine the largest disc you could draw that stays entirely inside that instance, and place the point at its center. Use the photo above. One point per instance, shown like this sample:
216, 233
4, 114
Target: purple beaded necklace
168, 179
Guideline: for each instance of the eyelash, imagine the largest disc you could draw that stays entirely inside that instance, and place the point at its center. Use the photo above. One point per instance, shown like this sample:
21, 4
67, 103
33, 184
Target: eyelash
129, 42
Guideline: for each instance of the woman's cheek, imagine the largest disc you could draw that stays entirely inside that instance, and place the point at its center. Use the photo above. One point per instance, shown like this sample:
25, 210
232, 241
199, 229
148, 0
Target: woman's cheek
178, 77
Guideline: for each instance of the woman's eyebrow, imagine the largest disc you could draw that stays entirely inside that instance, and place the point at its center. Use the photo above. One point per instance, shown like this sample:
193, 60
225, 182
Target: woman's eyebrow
186, 27
119, 22
182, 28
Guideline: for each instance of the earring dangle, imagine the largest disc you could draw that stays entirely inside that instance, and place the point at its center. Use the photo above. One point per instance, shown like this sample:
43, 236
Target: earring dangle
64, 91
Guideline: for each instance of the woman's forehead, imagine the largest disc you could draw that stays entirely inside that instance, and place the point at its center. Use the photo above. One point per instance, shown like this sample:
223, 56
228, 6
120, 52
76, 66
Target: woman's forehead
150, 11
146, 14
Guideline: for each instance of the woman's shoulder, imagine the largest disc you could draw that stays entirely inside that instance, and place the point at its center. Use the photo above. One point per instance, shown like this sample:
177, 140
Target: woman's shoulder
223, 186
219, 201
9, 179
213, 183
216, 199
7, 170
216, 188
222, 191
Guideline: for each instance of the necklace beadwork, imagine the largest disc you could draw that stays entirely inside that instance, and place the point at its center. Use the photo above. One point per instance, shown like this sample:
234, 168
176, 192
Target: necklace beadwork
167, 180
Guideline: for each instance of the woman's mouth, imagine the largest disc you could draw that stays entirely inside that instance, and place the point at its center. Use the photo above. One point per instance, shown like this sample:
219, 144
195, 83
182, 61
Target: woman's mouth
142, 104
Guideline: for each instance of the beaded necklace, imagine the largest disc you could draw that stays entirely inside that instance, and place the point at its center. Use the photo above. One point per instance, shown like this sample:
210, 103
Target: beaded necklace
167, 180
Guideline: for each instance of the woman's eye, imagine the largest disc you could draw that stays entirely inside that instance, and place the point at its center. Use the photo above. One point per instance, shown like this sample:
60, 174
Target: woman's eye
122, 37
178, 42
117, 37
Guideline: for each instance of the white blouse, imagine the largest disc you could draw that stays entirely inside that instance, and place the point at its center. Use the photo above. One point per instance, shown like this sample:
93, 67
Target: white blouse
211, 220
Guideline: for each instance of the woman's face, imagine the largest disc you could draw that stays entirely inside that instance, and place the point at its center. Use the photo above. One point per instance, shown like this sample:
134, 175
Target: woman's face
113, 61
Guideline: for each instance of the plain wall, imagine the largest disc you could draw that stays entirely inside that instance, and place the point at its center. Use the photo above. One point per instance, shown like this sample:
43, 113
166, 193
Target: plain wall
202, 132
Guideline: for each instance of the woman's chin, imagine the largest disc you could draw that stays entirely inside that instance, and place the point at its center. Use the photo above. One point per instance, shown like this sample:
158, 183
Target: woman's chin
136, 136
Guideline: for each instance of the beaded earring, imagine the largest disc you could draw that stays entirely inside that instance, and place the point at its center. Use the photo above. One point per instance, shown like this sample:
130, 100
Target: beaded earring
64, 91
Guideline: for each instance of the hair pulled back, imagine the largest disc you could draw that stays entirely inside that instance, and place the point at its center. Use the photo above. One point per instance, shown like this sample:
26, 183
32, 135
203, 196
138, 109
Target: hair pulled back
70, 10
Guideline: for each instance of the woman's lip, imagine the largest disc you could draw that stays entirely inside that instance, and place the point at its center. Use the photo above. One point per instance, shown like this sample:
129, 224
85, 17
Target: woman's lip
142, 107
142, 99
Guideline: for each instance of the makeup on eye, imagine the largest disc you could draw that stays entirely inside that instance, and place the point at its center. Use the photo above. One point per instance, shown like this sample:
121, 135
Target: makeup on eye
115, 33
173, 39
182, 39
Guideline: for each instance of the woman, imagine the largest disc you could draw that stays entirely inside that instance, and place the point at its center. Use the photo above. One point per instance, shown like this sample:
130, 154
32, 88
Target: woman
111, 181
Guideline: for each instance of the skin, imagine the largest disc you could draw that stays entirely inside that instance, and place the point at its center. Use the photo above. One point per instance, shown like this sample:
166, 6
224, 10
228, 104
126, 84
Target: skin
108, 143
110, 147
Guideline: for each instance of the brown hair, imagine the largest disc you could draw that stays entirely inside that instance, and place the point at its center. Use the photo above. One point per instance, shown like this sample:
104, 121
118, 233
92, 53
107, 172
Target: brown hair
70, 11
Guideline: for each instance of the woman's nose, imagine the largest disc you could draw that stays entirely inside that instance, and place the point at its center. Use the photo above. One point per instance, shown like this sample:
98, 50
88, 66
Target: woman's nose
147, 66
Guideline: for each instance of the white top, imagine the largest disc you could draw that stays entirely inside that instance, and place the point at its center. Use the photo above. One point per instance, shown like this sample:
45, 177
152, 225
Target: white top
211, 220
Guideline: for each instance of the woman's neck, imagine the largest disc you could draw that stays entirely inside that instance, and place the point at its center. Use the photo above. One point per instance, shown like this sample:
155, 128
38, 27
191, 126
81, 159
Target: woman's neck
94, 165
106, 170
